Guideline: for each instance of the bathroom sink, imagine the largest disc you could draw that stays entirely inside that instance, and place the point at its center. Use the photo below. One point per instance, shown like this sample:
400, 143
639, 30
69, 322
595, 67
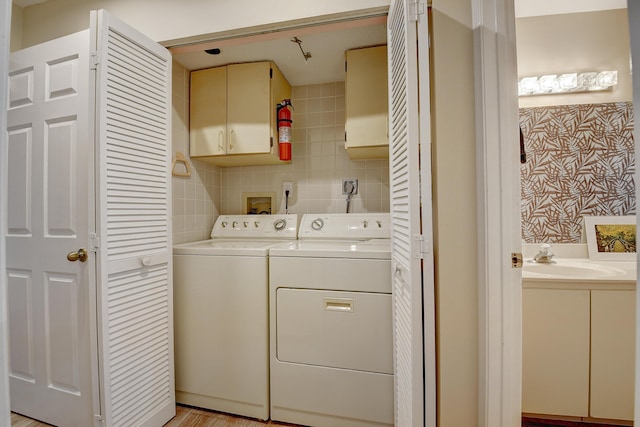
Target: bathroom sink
571, 269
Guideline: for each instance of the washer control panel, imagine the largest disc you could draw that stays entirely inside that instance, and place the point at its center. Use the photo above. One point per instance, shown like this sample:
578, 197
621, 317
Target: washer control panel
256, 226
362, 226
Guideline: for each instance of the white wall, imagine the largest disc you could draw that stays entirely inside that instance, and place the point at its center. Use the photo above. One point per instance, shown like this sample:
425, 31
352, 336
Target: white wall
16, 28
591, 41
5, 13
455, 212
164, 20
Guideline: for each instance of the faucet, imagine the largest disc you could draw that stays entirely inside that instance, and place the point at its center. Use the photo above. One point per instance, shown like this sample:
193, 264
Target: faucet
544, 255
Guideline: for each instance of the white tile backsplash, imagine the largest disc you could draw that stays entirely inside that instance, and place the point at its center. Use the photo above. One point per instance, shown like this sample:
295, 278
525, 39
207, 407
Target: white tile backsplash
318, 166
319, 162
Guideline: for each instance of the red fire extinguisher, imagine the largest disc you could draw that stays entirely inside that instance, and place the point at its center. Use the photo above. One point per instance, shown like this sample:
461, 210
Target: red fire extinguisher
284, 129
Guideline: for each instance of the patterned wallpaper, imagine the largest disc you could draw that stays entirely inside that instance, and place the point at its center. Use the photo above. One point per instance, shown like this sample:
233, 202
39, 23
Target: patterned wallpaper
580, 161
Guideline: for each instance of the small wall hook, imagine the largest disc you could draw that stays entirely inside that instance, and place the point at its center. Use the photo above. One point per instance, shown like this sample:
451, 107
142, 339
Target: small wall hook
180, 158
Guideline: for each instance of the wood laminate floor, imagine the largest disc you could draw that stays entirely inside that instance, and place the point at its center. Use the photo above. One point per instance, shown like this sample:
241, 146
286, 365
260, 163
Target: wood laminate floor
185, 417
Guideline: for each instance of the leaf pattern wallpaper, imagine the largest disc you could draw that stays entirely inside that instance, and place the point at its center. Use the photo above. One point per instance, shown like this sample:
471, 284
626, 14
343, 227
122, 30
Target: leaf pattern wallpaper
580, 161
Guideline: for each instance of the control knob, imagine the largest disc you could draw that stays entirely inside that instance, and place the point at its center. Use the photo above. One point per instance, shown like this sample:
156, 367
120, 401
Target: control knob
280, 224
317, 224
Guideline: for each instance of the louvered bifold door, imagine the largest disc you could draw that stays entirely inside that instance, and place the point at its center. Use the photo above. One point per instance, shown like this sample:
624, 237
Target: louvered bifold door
410, 243
133, 220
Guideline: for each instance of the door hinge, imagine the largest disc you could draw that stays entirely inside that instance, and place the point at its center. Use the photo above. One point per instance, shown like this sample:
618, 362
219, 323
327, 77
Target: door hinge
416, 9
94, 61
98, 418
516, 260
94, 242
421, 246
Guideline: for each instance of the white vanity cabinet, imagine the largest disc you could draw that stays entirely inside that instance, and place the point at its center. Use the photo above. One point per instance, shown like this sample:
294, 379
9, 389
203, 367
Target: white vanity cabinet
612, 354
555, 352
578, 346
366, 103
233, 113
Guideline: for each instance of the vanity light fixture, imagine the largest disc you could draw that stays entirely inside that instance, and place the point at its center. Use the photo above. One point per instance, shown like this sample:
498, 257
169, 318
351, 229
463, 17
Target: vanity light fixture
551, 84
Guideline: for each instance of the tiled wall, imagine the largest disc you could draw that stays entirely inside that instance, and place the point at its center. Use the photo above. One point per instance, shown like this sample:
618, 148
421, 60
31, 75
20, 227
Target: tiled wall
580, 161
319, 164
196, 198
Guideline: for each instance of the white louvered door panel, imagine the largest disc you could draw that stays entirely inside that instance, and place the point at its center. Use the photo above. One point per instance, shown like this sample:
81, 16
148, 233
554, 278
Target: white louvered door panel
134, 254
409, 138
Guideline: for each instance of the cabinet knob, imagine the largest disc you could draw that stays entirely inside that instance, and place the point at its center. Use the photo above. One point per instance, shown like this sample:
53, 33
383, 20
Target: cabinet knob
232, 139
220, 141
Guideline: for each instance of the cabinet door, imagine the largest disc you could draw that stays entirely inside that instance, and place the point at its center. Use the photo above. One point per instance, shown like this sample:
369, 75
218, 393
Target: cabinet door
366, 98
555, 352
248, 108
208, 112
612, 354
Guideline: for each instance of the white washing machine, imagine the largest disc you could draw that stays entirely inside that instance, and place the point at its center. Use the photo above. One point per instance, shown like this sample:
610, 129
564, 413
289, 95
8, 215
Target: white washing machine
331, 323
221, 319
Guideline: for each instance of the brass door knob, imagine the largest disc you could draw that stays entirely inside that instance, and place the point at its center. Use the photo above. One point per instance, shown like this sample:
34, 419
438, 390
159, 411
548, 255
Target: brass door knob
81, 255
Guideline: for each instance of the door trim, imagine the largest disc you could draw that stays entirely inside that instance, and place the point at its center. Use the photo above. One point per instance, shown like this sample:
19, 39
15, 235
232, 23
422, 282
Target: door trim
5, 412
498, 196
633, 8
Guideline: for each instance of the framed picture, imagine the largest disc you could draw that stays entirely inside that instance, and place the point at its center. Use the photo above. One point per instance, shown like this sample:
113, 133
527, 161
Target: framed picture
611, 238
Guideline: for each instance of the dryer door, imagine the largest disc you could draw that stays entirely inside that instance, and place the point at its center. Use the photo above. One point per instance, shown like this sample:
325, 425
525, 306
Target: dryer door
349, 330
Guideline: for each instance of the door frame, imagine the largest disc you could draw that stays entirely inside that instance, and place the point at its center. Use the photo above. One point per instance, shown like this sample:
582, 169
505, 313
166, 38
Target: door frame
633, 8
498, 197
5, 411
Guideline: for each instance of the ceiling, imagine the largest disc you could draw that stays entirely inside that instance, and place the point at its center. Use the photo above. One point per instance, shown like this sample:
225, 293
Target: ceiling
325, 43
25, 3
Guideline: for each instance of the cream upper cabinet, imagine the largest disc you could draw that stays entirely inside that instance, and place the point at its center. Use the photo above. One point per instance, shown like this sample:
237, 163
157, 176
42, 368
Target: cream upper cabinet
366, 103
233, 113
208, 112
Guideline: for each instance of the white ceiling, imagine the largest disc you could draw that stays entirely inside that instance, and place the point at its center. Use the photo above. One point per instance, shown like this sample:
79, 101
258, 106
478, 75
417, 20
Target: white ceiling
25, 3
325, 43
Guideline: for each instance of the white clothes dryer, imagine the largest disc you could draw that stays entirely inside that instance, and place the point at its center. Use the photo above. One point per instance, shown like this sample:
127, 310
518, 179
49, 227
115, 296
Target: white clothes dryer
331, 338
221, 320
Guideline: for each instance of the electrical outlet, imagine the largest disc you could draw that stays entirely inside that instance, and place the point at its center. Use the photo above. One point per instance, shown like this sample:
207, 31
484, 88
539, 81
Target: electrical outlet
287, 186
349, 187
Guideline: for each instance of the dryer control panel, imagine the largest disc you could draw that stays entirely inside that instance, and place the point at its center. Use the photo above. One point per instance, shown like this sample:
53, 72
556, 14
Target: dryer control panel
256, 226
363, 226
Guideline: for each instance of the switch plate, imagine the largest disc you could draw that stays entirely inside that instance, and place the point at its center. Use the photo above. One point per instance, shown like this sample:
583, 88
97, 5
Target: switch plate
346, 186
288, 185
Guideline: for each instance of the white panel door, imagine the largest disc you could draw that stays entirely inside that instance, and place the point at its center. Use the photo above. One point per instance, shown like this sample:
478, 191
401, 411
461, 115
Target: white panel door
133, 128
48, 201
411, 215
